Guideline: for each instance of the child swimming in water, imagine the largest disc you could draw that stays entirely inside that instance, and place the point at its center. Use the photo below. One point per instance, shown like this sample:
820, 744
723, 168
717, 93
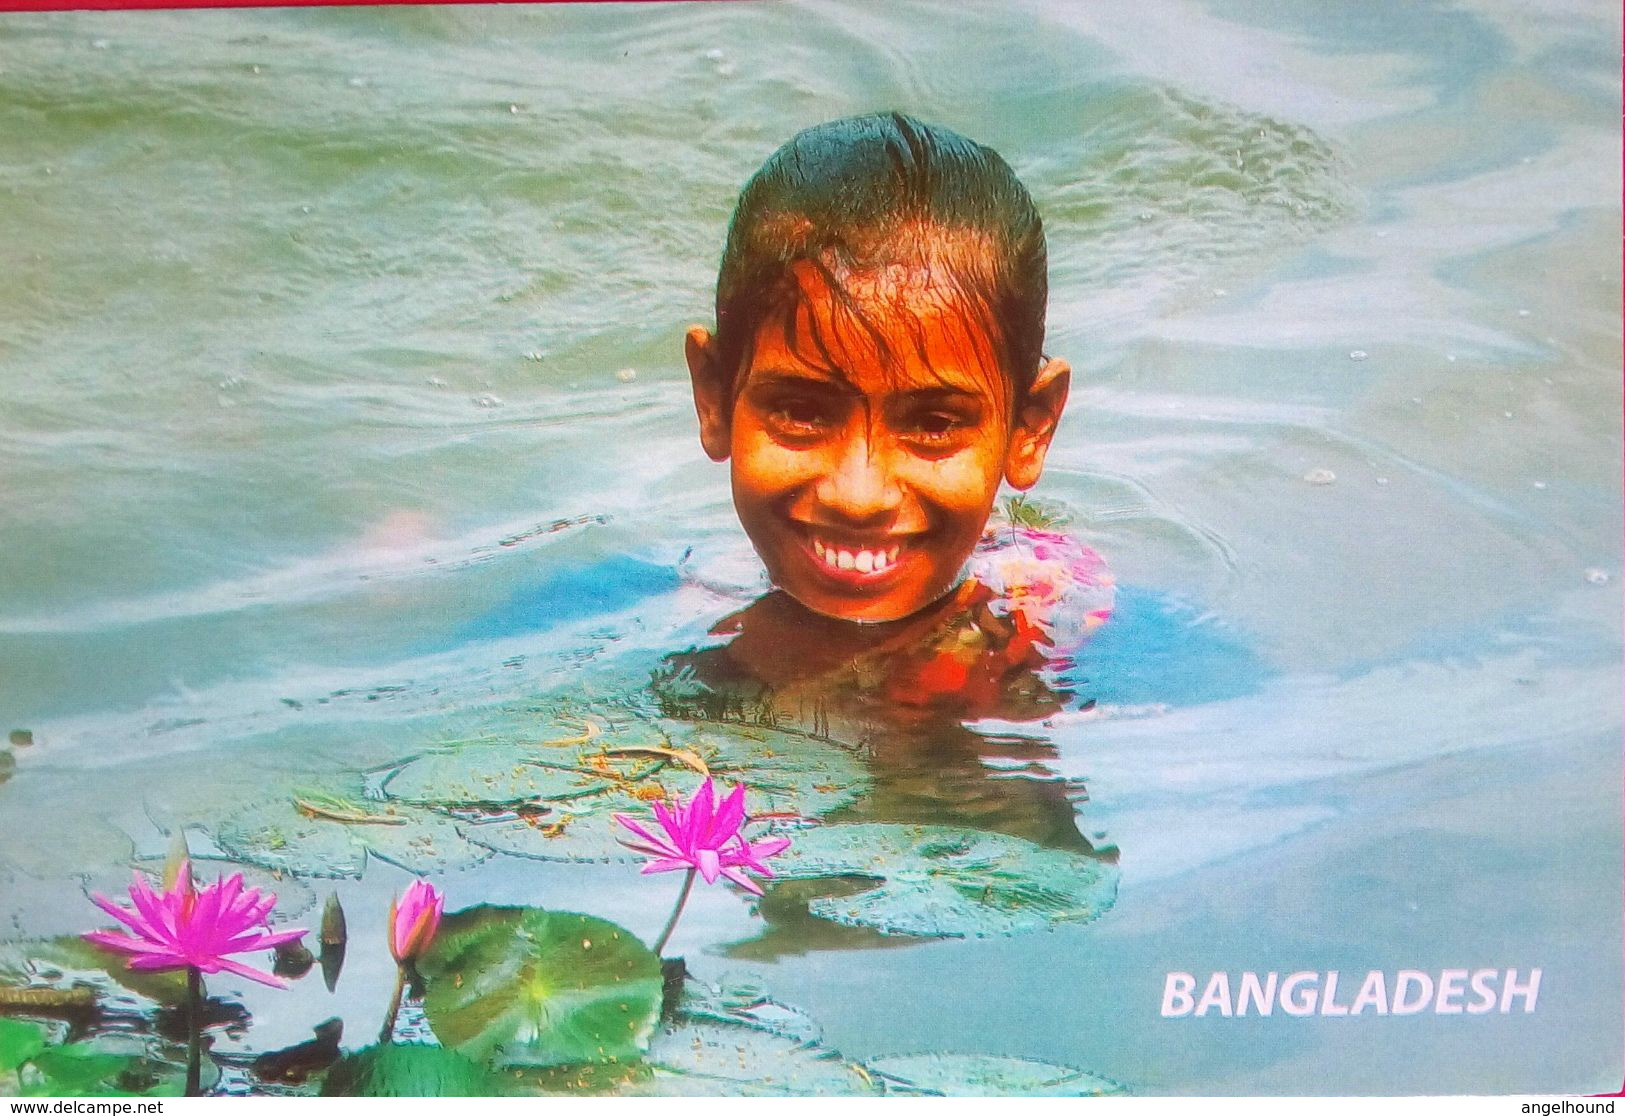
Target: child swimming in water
877, 368
877, 371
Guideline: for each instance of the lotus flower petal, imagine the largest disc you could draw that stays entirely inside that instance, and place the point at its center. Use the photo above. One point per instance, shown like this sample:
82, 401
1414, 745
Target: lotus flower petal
184, 927
414, 920
703, 835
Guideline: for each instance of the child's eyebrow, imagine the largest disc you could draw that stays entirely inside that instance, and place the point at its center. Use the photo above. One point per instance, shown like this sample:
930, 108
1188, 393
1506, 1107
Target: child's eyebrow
834, 380
778, 377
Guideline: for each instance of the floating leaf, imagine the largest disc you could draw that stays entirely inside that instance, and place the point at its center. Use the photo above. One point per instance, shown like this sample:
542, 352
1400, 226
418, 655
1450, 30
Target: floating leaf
520, 986
410, 1070
986, 1075
333, 807
594, 1079
77, 1069
707, 1058
72, 962
496, 777
19, 1042
737, 1001
284, 837
945, 881
789, 774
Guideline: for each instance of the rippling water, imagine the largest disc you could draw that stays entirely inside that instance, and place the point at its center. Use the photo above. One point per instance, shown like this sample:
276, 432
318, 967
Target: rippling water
342, 347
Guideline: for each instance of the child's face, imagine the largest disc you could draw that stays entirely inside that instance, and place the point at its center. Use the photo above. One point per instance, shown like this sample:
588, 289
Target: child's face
865, 486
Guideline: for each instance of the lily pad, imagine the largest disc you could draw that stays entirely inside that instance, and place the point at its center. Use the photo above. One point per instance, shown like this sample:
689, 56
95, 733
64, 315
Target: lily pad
520, 986
495, 776
742, 1002
19, 1043
986, 1075
410, 1070
699, 1058
947, 882
107, 1065
789, 775
79, 1069
72, 962
330, 835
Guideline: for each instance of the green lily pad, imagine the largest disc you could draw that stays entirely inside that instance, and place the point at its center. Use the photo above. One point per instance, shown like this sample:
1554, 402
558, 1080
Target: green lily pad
410, 1070
335, 838
78, 1069
594, 1079
726, 1039
742, 1002
103, 1066
788, 774
707, 1058
520, 986
72, 962
986, 1075
495, 776
947, 882
19, 1042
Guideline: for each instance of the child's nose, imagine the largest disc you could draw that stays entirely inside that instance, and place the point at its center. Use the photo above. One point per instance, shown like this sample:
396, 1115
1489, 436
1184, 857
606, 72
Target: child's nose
861, 486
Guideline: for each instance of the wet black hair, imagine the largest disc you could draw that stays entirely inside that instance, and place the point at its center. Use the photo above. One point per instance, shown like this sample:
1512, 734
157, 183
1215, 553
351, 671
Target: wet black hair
854, 195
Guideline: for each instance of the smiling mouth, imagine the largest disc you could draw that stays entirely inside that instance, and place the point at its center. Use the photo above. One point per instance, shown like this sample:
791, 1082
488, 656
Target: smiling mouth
858, 561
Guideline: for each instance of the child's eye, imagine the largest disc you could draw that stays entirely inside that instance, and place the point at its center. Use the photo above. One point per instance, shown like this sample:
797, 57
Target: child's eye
937, 422
798, 414
937, 427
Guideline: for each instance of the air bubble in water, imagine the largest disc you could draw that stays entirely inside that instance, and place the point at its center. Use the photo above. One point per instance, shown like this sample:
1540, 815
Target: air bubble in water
1596, 576
1359, 354
1320, 476
627, 375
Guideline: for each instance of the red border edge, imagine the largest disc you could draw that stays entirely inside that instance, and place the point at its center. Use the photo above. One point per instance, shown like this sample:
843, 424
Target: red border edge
152, 5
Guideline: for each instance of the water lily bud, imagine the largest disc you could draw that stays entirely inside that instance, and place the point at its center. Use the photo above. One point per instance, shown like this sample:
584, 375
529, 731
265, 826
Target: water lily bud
414, 920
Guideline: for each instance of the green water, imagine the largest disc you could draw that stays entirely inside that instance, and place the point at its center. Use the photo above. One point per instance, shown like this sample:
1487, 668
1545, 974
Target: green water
335, 343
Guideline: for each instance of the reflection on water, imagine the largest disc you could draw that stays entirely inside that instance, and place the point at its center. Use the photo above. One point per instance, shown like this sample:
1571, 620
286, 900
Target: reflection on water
382, 479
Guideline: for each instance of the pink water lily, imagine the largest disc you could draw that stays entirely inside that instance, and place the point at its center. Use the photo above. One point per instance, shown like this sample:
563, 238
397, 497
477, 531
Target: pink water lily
704, 836
187, 928
413, 921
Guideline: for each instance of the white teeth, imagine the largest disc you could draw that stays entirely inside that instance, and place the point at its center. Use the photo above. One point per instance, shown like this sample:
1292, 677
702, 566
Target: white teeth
864, 561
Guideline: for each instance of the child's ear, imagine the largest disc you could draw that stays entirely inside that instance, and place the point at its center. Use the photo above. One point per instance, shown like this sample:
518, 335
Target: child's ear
711, 392
1035, 424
